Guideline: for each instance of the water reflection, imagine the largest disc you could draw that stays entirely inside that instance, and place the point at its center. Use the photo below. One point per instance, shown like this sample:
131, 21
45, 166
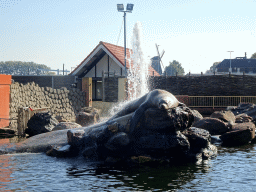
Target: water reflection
232, 170
5, 168
144, 177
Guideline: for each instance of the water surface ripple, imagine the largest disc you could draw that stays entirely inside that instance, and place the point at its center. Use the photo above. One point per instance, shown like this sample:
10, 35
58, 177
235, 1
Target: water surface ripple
232, 170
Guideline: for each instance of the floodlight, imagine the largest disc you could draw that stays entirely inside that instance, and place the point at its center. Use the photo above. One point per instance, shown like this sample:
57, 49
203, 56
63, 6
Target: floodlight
129, 7
120, 7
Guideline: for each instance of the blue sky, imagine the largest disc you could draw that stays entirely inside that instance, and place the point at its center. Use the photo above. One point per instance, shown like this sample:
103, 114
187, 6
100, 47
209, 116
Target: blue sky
196, 33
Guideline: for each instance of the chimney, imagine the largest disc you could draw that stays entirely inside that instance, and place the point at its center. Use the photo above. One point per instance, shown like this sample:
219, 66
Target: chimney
245, 56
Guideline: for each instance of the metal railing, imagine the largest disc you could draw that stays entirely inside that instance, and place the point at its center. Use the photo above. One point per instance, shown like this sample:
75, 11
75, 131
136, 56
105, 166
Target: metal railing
219, 101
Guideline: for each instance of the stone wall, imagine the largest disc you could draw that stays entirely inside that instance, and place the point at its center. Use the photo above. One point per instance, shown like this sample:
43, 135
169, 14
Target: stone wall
55, 81
215, 85
63, 102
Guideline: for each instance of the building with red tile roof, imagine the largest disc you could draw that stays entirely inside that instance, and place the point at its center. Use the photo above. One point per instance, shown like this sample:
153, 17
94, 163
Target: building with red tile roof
106, 57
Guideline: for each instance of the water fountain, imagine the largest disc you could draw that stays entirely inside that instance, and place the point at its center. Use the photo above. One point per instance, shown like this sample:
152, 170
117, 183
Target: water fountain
138, 74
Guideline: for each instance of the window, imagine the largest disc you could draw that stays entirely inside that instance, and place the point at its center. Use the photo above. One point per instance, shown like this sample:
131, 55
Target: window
96, 90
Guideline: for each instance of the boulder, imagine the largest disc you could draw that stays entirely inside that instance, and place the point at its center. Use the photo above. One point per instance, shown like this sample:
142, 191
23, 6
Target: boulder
160, 145
75, 137
226, 116
66, 125
40, 123
246, 108
87, 116
197, 116
243, 118
59, 151
213, 125
198, 138
242, 133
176, 119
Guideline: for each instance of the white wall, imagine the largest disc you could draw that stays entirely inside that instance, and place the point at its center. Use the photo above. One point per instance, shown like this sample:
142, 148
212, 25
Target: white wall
103, 65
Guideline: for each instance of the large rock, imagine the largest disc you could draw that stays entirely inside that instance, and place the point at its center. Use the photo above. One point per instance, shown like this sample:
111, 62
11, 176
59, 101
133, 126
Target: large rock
243, 118
246, 108
156, 135
197, 116
66, 125
226, 116
176, 119
40, 123
213, 125
87, 116
242, 133
160, 145
198, 138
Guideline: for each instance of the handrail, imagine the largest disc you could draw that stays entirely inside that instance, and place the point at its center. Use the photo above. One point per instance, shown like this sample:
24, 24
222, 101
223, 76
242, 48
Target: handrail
219, 101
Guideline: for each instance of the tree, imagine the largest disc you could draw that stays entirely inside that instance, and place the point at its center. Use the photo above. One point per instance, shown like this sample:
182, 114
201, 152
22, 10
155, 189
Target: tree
214, 65
174, 67
253, 56
23, 68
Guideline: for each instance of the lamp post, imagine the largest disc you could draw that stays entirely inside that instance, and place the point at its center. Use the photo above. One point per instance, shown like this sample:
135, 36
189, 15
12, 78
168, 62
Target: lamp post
129, 8
230, 69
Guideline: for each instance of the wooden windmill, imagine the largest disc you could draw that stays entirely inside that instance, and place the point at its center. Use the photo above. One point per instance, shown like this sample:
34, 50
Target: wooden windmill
158, 66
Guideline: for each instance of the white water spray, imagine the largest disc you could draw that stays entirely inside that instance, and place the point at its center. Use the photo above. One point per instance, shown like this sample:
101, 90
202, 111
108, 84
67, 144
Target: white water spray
138, 71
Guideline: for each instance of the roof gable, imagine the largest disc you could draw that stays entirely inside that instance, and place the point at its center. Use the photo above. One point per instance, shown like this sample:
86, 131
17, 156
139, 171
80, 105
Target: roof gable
114, 51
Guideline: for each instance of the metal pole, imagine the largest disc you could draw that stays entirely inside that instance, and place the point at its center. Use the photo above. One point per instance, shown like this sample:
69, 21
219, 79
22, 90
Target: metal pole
125, 42
230, 62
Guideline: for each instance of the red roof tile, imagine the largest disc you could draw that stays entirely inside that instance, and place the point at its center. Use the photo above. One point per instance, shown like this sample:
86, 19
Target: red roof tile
118, 53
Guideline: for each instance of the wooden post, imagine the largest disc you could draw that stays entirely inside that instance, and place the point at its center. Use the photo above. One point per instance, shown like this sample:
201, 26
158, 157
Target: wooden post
87, 88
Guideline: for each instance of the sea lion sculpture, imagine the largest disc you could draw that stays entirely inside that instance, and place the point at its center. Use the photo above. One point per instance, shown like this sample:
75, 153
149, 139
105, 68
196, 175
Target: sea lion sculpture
157, 98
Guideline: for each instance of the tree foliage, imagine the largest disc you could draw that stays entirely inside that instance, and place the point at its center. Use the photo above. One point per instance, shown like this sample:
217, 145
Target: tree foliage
253, 56
23, 68
173, 68
214, 65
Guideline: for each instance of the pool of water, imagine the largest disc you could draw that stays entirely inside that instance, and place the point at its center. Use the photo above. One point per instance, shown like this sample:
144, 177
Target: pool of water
232, 170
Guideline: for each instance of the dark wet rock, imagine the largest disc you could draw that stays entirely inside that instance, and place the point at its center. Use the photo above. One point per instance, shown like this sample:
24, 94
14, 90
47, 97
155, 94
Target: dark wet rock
200, 144
87, 116
176, 119
157, 145
90, 152
118, 142
246, 108
66, 125
197, 116
40, 123
226, 116
242, 133
213, 125
198, 138
75, 137
243, 118
59, 151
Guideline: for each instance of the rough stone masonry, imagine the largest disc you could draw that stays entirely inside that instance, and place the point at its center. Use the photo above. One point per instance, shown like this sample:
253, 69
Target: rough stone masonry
63, 102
